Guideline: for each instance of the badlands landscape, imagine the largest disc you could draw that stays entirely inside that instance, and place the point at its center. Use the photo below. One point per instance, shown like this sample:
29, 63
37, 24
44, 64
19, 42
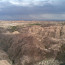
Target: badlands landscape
32, 43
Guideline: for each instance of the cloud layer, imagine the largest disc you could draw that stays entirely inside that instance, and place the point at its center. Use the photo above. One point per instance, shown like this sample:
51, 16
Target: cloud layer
32, 9
34, 2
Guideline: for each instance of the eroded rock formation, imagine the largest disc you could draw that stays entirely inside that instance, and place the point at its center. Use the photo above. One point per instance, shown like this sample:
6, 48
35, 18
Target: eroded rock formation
32, 44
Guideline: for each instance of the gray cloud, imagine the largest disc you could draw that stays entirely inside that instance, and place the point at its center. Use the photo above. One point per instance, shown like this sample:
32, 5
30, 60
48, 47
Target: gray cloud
50, 9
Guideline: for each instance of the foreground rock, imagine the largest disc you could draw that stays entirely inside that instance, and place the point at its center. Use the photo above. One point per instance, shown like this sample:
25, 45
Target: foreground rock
4, 59
4, 62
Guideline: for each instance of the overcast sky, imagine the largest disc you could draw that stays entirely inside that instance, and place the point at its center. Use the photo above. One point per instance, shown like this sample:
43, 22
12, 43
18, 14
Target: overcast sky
32, 9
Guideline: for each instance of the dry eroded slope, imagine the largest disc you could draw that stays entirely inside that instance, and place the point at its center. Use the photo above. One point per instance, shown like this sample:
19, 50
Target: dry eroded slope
33, 44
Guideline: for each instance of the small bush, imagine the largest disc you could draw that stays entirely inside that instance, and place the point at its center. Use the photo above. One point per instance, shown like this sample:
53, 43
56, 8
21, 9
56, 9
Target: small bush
13, 28
35, 24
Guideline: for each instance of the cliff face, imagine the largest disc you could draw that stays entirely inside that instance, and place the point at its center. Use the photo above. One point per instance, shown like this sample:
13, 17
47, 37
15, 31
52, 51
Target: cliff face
34, 44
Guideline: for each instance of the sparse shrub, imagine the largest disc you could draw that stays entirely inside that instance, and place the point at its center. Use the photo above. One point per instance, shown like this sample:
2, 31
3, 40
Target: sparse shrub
13, 28
63, 23
35, 24
48, 62
61, 54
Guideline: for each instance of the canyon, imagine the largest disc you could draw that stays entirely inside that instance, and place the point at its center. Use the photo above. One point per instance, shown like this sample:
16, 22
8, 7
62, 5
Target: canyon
32, 43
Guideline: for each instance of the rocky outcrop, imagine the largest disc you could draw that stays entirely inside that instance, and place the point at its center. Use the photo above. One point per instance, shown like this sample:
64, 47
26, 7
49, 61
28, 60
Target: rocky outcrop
4, 58
51, 31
